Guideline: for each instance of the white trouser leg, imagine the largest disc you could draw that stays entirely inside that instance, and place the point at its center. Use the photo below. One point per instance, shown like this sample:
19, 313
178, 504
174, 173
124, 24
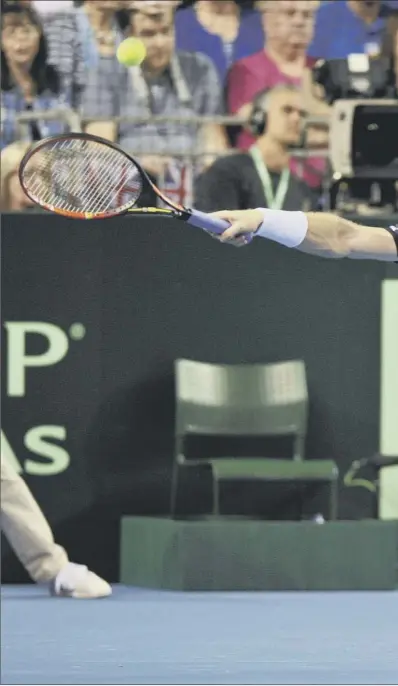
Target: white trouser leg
27, 529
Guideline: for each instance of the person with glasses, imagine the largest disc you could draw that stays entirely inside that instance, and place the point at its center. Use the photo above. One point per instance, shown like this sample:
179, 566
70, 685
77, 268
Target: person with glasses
29, 83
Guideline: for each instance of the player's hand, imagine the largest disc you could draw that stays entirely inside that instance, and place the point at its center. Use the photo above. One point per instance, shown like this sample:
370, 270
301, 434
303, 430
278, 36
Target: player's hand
242, 222
238, 242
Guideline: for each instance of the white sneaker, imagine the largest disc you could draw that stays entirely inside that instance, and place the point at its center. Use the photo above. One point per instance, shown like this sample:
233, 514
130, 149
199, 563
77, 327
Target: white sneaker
76, 581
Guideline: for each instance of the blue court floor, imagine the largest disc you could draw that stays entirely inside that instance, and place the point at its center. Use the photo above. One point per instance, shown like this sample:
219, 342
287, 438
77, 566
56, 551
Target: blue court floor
159, 637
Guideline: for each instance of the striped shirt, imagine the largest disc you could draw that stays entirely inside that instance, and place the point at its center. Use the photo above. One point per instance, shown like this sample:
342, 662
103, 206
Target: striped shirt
73, 48
13, 103
189, 87
65, 51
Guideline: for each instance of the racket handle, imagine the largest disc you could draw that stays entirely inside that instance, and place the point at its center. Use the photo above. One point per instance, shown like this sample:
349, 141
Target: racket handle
204, 221
211, 224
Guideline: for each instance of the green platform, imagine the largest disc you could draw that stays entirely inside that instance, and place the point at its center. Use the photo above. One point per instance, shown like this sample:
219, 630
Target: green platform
256, 555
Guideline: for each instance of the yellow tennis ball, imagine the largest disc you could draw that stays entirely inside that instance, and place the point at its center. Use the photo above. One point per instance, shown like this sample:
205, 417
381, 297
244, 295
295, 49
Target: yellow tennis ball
131, 52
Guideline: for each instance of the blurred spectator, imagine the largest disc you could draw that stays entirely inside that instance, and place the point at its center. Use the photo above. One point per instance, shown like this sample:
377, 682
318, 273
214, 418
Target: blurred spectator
93, 26
50, 6
221, 30
12, 197
99, 29
349, 26
78, 40
288, 27
261, 176
154, 5
167, 83
28, 82
44, 6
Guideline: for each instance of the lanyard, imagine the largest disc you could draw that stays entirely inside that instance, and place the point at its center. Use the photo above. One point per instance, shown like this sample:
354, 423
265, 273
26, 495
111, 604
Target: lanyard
274, 200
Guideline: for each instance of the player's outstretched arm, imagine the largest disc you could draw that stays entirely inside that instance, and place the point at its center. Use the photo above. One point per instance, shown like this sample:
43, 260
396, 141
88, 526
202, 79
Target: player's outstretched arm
329, 235
317, 233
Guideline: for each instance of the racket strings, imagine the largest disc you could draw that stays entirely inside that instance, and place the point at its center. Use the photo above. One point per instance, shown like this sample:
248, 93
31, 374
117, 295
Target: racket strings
82, 176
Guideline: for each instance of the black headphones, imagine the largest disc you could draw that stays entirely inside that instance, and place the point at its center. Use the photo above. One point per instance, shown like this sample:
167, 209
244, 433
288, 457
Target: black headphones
257, 123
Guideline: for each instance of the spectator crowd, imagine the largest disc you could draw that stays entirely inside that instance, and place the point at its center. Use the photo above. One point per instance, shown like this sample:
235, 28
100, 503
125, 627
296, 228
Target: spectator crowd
250, 60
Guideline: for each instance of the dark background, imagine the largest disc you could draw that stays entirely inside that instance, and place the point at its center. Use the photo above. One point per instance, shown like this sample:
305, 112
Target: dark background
149, 291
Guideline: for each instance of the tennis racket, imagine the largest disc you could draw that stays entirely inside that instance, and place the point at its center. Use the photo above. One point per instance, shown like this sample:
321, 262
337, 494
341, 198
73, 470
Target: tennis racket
87, 177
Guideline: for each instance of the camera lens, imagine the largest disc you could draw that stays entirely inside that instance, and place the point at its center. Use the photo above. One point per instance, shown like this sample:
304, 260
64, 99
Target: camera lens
375, 136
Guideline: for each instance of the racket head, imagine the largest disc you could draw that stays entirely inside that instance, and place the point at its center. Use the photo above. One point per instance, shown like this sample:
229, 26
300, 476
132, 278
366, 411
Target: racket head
81, 176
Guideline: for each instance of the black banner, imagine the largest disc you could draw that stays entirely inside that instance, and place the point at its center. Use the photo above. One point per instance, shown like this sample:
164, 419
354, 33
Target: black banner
95, 314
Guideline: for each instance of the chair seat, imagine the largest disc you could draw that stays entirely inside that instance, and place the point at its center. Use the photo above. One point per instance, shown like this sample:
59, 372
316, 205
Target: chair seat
277, 469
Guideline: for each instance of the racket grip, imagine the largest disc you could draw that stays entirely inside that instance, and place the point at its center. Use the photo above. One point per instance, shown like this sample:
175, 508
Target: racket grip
212, 224
204, 221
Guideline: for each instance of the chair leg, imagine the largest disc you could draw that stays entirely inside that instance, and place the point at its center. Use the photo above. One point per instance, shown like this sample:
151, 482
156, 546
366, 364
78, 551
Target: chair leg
174, 484
216, 496
333, 499
301, 498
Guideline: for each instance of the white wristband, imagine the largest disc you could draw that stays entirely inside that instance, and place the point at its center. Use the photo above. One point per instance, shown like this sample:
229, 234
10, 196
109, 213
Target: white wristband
287, 228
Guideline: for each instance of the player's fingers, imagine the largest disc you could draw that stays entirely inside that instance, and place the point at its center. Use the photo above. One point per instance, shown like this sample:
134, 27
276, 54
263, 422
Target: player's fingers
234, 230
238, 242
227, 215
215, 236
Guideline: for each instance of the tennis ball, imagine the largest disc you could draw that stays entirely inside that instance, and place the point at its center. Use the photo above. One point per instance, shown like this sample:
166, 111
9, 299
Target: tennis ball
131, 52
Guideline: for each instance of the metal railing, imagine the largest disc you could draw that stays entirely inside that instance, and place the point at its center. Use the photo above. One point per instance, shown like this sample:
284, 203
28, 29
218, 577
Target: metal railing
76, 123
190, 160
222, 119
65, 115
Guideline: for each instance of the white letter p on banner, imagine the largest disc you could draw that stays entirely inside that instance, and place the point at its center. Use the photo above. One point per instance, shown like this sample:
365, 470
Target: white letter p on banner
19, 361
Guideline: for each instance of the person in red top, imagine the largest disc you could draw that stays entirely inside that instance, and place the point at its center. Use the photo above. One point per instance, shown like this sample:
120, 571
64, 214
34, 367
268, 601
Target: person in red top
288, 26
